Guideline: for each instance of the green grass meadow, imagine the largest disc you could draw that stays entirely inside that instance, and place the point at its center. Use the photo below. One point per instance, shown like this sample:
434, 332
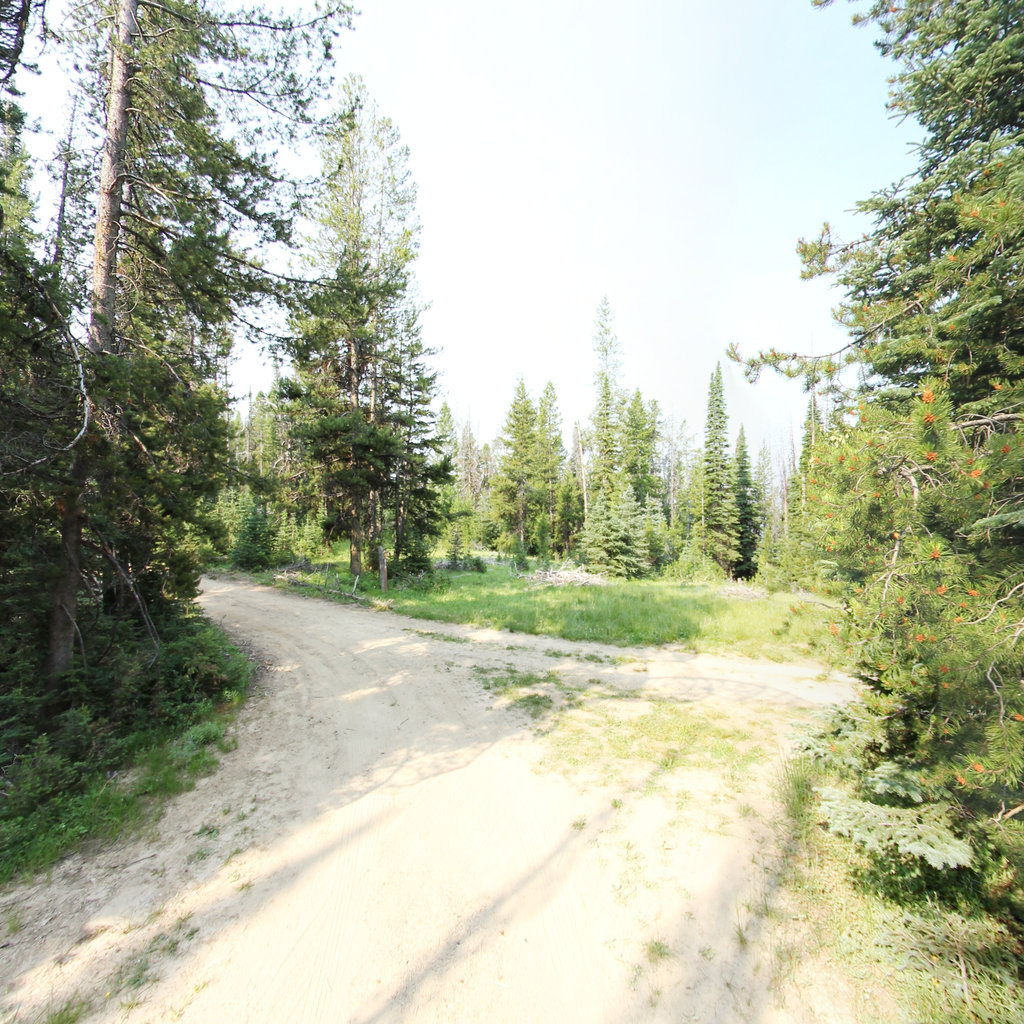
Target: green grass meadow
703, 617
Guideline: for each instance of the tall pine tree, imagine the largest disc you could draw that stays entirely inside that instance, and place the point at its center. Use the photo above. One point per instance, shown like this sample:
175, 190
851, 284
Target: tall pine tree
514, 493
606, 455
748, 512
719, 523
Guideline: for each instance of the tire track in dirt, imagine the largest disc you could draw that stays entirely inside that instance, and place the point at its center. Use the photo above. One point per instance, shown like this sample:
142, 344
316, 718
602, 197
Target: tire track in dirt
383, 846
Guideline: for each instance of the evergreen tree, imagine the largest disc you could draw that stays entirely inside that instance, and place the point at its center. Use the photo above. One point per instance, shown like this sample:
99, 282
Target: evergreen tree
578, 463
515, 497
606, 458
412, 505
639, 444
614, 538
447, 435
675, 458
469, 474
14, 25
188, 192
748, 514
550, 457
113, 425
795, 558
917, 500
569, 513
765, 492
719, 525
362, 390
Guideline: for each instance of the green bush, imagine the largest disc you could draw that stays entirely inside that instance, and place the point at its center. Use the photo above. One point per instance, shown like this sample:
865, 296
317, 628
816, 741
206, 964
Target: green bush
58, 755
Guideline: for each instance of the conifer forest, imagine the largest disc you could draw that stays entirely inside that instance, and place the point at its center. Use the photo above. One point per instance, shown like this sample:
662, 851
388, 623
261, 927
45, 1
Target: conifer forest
127, 471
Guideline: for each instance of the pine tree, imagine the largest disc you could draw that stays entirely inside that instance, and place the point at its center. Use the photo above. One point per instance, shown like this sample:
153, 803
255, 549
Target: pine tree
468, 471
113, 414
675, 460
188, 193
362, 390
447, 435
515, 497
550, 457
718, 515
411, 506
748, 514
605, 461
569, 513
639, 445
915, 497
614, 538
795, 558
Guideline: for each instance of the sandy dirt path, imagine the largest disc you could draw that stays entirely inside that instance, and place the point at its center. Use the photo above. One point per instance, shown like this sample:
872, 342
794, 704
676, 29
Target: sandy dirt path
393, 841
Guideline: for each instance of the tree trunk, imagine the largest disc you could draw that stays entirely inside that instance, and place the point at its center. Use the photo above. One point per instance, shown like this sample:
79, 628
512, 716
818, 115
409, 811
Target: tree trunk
108, 207
355, 551
64, 600
583, 473
65, 176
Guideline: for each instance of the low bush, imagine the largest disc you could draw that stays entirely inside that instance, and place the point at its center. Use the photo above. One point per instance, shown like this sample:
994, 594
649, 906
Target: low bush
60, 758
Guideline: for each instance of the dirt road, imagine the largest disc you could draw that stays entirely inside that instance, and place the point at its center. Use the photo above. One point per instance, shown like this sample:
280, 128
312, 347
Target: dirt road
427, 823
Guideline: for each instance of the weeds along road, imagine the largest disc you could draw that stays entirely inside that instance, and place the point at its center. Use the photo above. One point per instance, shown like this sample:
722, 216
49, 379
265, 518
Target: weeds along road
429, 823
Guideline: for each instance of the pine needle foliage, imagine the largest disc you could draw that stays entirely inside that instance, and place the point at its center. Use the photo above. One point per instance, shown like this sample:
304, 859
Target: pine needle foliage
918, 493
719, 513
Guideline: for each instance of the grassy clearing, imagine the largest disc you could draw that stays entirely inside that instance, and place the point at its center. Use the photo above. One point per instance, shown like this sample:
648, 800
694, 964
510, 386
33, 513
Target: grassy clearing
957, 965
626, 613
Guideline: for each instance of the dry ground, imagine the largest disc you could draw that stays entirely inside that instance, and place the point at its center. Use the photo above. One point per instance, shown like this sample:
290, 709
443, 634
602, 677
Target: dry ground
393, 841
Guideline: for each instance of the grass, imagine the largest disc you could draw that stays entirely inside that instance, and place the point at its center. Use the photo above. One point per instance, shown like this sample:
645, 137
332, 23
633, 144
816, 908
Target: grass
521, 688
625, 613
657, 950
69, 1013
663, 738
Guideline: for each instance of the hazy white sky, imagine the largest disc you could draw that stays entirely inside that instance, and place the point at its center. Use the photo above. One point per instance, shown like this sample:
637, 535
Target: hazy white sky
666, 154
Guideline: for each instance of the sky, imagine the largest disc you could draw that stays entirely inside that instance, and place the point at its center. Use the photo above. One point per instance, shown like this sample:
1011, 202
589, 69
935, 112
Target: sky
666, 155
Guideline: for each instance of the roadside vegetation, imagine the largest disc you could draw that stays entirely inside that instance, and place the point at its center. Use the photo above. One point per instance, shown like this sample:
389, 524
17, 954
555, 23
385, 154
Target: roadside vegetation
712, 616
920, 946
105, 767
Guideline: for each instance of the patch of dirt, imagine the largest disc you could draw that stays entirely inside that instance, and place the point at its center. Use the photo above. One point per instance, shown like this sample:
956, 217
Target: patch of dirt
394, 841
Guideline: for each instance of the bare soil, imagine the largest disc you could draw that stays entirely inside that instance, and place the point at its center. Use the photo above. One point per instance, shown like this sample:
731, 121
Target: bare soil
393, 841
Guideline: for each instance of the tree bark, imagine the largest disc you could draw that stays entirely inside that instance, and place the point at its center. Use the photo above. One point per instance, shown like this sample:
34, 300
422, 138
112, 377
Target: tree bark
355, 551
64, 600
108, 206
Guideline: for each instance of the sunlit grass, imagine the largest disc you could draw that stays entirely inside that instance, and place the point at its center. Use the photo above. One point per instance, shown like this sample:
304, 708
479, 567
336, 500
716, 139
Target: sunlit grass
703, 617
664, 737
628, 613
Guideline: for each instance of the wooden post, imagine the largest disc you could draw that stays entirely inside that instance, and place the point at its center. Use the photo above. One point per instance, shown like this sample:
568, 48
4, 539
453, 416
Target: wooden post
383, 562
